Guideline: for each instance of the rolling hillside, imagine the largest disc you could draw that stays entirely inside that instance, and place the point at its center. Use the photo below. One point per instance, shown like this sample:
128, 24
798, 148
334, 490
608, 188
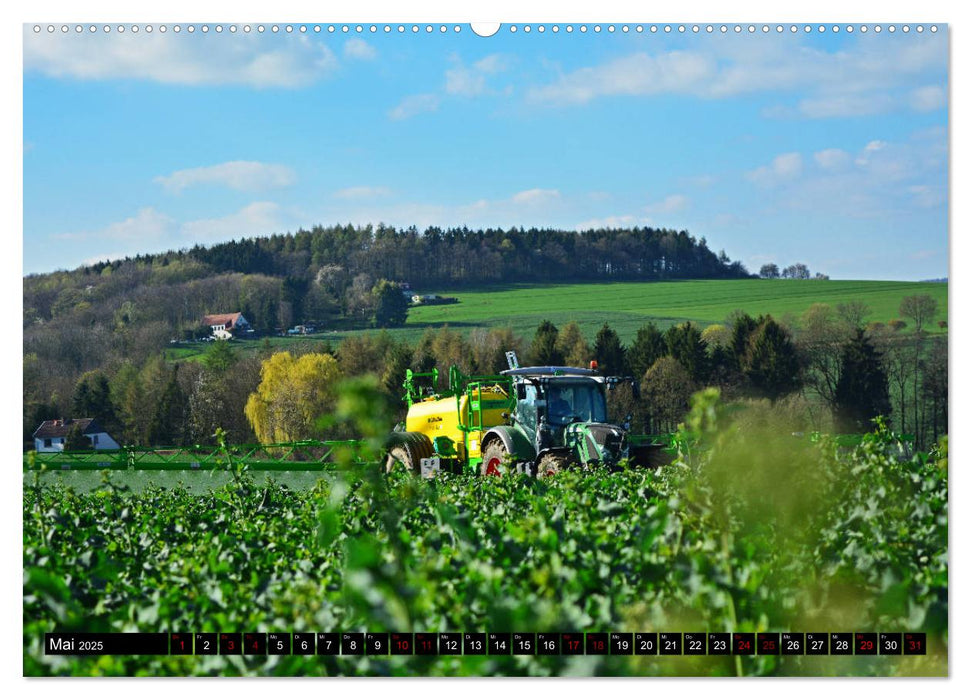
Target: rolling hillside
628, 305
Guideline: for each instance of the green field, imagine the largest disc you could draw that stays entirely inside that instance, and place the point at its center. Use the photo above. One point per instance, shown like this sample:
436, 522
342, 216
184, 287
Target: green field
197, 482
626, 306
857, 540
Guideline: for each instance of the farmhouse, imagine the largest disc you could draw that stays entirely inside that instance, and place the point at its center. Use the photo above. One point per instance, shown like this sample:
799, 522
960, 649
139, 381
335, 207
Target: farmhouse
225, 325
51, 434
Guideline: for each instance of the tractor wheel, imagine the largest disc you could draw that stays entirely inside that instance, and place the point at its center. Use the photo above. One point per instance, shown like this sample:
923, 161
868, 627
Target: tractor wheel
409, 453
493, 458
550, 464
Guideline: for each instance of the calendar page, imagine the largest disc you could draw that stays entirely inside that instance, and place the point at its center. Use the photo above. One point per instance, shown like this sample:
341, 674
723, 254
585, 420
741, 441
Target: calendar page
517, 349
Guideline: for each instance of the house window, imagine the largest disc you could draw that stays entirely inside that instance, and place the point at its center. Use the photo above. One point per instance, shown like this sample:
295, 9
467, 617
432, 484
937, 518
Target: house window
47, 442
94, 440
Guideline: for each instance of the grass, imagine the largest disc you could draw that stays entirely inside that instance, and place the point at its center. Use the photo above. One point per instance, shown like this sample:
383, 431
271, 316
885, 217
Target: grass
626, 306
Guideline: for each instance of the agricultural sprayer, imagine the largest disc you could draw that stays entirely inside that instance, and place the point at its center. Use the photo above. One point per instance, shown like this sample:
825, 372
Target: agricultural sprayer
533, 420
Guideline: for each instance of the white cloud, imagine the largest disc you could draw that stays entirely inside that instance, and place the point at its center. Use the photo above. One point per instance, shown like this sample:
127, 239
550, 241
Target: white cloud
845, 105
533, 207
258, 218
535, 196
461, 80
928, 98
668, 205
414, 104
95, 259
359, 49
607, 222
253, 61
637, 74
464, 82
244, 175
865, 77
786, 166
470, 81
147, 225
362, 192
832, 158
871, 148
150, 229
926, 196
882, 180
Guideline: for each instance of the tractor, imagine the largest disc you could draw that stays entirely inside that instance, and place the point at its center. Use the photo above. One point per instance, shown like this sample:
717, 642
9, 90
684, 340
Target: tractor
535, 420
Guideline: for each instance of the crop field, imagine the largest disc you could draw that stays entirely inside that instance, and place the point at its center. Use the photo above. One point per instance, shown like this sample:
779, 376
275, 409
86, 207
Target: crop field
751, 532
194, 481
626, 306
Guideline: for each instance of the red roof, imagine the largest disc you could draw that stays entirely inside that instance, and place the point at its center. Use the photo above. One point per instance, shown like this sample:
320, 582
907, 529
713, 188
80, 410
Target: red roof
227, 320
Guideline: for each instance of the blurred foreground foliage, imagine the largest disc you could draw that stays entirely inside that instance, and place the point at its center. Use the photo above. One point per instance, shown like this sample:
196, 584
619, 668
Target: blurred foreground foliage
751, 529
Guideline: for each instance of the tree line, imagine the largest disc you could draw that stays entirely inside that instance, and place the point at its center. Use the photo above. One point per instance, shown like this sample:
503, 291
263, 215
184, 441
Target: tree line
833, 373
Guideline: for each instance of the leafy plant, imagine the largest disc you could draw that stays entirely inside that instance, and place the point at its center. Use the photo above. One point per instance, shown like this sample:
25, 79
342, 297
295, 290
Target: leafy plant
747, 531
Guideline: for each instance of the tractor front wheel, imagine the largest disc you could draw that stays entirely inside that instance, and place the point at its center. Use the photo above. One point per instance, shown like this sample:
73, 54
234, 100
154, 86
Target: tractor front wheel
494, 457
550, 464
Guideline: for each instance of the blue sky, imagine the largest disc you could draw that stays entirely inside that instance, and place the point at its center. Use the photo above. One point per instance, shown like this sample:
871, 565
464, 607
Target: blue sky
829, 149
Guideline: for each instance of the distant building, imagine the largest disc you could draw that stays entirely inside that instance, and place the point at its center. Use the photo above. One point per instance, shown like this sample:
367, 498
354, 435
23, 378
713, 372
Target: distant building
51, 434
226, 325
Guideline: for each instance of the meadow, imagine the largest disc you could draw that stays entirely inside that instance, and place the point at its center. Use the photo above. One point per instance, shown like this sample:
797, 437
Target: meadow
626, 306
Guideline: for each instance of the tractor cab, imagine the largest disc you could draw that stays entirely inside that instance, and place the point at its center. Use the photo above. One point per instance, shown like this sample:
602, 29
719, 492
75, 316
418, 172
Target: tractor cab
550, 398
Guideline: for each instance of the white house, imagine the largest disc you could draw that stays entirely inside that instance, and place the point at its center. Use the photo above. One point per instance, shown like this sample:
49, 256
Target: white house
225, 325
51, 434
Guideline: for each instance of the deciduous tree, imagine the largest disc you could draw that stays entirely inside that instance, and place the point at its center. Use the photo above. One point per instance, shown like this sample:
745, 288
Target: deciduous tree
292, 397
919, 308
666, 390
573, 346
769, 271
390, 305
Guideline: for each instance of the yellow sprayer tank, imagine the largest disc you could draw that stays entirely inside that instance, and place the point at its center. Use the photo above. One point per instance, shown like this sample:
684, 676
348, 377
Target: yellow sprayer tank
440, 417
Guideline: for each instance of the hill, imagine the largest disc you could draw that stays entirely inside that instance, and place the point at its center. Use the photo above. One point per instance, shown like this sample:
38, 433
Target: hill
626, 306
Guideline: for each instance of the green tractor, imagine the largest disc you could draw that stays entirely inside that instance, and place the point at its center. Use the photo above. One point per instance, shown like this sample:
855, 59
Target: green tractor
560, 420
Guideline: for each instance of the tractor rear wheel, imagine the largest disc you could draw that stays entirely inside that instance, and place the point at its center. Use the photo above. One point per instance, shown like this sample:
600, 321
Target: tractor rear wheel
494, 457
408, 452
550, 464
